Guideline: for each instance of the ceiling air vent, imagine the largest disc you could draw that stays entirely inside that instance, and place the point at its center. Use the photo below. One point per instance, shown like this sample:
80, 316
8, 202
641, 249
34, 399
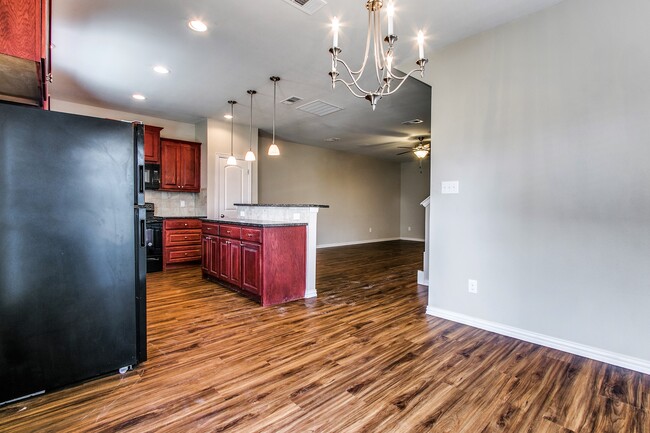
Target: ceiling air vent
307, 6
291, 100
319, 108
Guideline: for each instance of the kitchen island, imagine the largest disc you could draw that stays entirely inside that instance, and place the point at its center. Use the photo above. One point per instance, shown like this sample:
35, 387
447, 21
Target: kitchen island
263, 260
306, 213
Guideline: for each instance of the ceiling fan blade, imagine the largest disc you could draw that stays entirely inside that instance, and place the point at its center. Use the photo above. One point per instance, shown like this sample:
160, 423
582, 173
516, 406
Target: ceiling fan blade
402, 153
404, 147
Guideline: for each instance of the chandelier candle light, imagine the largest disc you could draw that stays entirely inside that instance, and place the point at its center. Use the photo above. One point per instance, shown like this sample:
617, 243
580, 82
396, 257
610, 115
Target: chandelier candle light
231, 159
383, 60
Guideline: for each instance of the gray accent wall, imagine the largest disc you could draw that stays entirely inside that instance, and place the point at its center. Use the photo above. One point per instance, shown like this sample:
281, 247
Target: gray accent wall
545, 122
362, 192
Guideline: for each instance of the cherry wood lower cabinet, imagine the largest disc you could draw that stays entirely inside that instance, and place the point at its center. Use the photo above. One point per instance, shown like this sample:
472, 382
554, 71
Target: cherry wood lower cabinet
181, 241
266, 263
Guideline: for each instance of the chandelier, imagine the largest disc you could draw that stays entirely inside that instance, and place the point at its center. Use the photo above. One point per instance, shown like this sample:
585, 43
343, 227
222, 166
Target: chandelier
388, 82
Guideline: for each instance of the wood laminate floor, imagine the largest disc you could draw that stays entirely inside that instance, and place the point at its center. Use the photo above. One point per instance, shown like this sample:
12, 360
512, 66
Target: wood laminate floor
362, 357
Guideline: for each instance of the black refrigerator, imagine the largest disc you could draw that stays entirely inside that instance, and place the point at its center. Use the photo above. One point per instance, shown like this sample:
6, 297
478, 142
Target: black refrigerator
72, 250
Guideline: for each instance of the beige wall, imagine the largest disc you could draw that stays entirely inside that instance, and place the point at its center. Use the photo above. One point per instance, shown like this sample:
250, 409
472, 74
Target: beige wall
415, 179
545, 122
362, 192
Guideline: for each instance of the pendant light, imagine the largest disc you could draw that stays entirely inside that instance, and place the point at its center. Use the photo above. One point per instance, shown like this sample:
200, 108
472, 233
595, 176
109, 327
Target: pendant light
273, 148
231, 159
250, 156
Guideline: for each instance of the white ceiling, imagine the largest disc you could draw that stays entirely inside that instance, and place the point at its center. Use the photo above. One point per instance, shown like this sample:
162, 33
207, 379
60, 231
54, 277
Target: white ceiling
104, 51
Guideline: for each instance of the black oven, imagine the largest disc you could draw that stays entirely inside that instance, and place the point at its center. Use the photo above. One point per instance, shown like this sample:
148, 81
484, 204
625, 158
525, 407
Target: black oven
151, 176
153, 240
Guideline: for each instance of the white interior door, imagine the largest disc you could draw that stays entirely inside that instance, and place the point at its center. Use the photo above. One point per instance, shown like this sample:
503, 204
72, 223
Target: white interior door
233, 186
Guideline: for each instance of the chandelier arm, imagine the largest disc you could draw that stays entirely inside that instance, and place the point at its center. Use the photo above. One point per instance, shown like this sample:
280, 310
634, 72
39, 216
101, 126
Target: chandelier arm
354, 80
351, 89
402, 82
365, 56
379, 52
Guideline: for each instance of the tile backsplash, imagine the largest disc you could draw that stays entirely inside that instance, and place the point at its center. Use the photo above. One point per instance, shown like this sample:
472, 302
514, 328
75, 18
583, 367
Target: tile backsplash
169, 203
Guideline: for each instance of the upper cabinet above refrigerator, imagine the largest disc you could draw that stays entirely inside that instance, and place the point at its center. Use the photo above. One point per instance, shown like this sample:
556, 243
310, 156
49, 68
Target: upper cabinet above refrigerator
25, 69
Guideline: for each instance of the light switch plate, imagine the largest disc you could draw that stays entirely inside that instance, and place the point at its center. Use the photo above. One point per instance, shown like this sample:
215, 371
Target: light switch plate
450, 187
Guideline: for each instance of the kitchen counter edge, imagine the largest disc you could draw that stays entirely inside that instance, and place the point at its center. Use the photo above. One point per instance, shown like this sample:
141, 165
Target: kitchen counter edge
253, 223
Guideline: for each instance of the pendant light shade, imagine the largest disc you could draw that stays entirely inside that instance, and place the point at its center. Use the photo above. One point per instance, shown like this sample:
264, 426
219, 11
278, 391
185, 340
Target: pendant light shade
231, 159
273, 148
250, 156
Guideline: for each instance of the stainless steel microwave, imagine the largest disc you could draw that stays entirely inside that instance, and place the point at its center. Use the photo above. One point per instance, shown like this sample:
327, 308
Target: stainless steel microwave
151, 176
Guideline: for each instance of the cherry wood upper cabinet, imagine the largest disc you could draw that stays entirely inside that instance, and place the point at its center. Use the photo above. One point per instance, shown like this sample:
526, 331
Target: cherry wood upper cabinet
152, 144
24, 51
180, 165
21, 29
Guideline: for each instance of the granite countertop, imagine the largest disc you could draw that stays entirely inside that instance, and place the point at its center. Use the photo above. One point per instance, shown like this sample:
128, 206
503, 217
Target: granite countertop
181, 217
253, 223
282, 205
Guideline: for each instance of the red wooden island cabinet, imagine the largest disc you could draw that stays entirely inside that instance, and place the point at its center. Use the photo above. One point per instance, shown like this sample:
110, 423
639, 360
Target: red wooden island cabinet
264, 261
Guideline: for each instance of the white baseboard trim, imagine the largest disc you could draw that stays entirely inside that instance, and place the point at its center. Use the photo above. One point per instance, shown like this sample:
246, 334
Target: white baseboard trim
412, 239
421, 280
343, 244
620, 360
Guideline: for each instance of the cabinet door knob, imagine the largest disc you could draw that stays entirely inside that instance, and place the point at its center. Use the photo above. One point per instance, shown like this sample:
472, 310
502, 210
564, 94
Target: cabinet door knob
185, 224
185, 237
249, 235
228, 231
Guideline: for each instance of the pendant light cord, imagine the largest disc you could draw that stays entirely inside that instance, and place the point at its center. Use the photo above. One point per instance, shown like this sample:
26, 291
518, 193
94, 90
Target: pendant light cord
275, 84
250, 131
232, 126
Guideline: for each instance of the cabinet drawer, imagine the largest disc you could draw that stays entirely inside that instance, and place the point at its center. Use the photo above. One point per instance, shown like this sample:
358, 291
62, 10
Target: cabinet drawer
210, 229
182, 237
183, 254
182, 224
251, 235
230, 231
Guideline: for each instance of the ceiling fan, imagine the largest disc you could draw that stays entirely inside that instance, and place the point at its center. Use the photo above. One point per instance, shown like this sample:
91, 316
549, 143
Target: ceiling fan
421, 150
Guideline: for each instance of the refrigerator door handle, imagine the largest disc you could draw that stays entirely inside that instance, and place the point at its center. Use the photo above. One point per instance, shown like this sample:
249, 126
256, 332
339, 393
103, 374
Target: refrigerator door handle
141, 178
142, 233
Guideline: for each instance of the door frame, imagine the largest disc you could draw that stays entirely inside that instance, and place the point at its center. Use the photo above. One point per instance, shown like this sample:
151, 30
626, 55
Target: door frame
217, 182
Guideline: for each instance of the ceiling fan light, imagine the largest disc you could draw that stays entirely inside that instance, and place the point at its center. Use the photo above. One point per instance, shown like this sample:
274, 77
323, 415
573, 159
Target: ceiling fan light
231, 160
250, 156
274, 150
421, 153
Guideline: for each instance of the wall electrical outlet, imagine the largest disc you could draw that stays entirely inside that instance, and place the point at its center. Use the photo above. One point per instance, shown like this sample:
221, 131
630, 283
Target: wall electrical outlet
369, 229
242, 213
182, 203
450, 187
409, 228
296, 216
472, 286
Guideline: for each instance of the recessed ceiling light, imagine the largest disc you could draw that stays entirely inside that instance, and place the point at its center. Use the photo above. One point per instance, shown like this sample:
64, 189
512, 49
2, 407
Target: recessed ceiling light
197, 26
227, 116
139, 97
161, 69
